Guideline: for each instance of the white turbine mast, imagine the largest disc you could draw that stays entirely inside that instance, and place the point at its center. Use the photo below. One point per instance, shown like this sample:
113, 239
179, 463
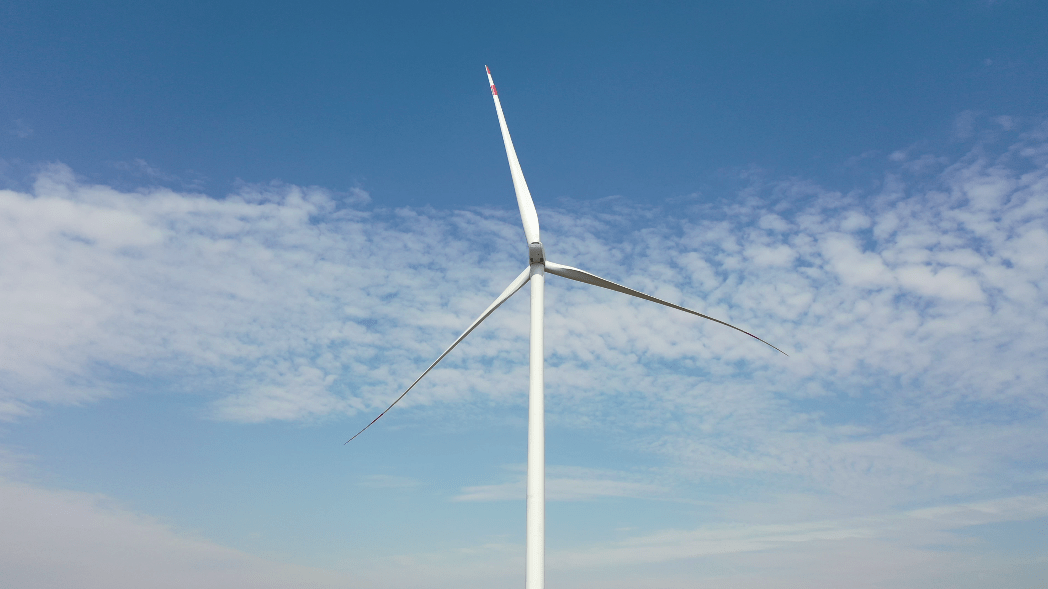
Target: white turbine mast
536, 274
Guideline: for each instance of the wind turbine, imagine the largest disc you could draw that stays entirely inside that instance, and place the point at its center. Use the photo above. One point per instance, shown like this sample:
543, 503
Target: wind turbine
538, 265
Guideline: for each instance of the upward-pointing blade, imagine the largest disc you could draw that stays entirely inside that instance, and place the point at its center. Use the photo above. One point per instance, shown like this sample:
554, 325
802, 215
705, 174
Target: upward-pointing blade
583, 276
513, 287
527, 206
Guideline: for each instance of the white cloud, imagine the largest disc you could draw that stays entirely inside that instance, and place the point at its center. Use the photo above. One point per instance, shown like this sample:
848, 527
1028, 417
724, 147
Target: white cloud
71, 539
141, 167
1006, 122
914, 316
52, 538
782, 255
385, 481
274, 299
918, 528
964, 124
59, 538
950, 283
854, 221
773, 222
21, 129
854, 266
568, 484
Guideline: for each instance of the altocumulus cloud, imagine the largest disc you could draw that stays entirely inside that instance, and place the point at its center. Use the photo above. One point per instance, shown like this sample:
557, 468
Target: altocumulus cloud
275, 300
917, 305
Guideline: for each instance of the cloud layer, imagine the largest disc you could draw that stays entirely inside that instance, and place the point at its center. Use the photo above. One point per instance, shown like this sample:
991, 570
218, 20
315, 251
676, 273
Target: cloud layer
914, 310
71, 539
66, 538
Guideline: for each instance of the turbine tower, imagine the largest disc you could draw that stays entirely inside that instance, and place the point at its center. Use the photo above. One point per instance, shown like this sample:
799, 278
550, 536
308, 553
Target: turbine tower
536, 273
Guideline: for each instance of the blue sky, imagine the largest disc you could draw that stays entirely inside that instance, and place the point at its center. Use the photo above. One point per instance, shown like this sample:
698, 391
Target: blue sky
232, 235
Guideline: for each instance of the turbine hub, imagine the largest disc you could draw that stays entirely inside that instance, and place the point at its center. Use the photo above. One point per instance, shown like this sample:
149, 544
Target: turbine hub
536, 255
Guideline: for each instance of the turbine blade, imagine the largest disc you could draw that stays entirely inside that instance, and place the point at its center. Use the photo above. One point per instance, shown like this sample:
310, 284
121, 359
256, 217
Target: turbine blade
583, 276
514, 286
527, 206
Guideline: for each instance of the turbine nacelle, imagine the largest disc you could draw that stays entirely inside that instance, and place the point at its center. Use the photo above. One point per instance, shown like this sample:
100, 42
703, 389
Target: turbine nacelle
536, 254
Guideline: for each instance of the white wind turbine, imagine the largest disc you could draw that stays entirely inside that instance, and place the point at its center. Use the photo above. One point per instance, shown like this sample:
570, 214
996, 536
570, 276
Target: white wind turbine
536, 273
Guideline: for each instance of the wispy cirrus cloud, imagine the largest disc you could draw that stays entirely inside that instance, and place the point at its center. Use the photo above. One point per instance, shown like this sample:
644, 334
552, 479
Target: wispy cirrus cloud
569, 484
21, 129
70, 538
921, 527
88, 540
385, 481
916, 548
